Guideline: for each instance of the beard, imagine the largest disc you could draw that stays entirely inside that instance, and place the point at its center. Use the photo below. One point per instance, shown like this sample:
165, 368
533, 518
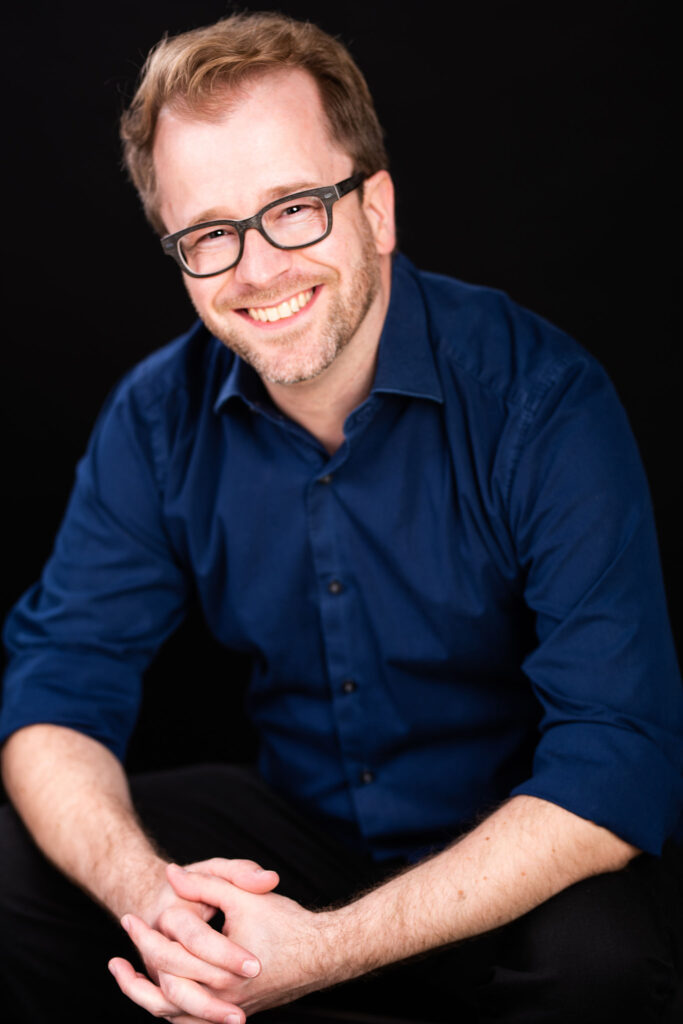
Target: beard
306, 352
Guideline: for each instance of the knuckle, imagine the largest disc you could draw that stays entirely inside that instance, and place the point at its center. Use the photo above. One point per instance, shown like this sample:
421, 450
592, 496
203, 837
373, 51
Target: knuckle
218, 862
164, 919
210, 1011
192, 933
218, 978
168, 984
193, 927
168, 919
164, 962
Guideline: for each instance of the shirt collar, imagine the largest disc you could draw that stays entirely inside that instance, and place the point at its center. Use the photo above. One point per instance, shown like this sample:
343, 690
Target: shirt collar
405, 361
244, 383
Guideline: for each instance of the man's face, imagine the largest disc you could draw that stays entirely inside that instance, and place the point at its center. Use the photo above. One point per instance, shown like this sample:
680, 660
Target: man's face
272, 142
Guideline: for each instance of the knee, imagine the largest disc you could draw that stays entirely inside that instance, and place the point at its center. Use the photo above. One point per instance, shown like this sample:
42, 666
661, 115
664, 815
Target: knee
626, 981
17, 856
594, 953
29, 883
19, 867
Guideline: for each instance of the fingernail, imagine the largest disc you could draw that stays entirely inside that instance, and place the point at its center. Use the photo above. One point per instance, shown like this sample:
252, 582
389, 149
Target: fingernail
232, 1018
125, 922
111, 967
251, 968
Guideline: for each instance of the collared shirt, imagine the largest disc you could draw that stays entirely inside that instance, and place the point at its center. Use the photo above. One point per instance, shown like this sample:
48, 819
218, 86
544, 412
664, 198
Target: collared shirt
464, 602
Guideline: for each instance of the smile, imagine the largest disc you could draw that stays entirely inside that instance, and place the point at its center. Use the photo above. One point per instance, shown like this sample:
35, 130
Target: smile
269, 314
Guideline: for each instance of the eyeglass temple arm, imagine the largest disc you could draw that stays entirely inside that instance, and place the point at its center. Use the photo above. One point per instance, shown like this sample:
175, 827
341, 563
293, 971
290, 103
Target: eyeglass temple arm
348, 185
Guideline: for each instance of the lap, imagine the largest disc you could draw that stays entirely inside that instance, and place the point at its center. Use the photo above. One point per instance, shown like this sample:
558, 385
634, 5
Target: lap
608, 940
607, 948
228, 811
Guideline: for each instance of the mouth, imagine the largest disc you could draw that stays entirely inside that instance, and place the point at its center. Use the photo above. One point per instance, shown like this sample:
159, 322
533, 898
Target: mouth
288, 309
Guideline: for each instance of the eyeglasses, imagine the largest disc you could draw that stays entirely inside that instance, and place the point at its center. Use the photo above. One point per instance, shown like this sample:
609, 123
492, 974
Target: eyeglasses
292, 222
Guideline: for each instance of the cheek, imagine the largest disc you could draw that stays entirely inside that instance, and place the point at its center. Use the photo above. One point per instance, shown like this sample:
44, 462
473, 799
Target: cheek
202, 293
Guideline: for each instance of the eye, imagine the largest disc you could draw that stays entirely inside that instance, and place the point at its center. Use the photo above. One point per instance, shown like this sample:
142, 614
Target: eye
291, 211
211, 238
215, 235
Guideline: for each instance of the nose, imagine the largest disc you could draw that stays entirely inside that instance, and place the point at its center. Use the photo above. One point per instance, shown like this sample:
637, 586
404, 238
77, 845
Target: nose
261, 262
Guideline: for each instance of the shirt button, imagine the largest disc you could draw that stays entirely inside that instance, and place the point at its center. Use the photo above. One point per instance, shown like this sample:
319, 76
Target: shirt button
327, 479
367, 777
335, 587
349, 686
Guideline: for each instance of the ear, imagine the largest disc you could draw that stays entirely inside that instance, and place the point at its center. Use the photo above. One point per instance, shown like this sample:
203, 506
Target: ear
378, 205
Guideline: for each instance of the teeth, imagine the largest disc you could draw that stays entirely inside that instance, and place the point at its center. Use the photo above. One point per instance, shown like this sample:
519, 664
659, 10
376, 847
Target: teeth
284, 310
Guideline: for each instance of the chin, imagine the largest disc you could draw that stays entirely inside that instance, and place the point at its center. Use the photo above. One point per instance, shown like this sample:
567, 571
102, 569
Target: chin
290, 359
294, 368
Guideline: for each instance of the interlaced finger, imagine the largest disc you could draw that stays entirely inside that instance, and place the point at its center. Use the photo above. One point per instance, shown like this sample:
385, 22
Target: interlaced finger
207, 944
190, 1003
162, 953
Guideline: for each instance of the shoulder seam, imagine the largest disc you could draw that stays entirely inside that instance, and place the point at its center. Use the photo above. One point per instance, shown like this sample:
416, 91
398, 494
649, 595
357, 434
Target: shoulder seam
546, 382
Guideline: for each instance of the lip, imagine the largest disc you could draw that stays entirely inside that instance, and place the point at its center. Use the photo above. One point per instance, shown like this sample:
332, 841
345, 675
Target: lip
283, 323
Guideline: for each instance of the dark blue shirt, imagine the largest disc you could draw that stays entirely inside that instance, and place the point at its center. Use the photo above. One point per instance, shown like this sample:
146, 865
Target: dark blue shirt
464, 602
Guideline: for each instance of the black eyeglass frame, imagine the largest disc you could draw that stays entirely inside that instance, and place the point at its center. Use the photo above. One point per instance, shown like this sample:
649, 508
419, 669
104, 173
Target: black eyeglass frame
329, 194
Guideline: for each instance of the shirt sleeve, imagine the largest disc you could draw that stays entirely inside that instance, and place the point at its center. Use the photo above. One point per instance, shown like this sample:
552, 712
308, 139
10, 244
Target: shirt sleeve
604, 671
79, 640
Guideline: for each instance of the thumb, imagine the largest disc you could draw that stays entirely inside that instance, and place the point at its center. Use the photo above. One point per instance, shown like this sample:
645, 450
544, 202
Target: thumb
203, 888
191, 885
245, 874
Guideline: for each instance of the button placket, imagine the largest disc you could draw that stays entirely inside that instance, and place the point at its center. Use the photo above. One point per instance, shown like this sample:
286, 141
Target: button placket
335, 589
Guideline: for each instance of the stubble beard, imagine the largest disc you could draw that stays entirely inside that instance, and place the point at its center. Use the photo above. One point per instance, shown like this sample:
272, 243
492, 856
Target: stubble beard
300, 356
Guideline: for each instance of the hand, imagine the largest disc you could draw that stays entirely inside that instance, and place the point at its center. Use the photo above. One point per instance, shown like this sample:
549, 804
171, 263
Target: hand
188, 951
289, 939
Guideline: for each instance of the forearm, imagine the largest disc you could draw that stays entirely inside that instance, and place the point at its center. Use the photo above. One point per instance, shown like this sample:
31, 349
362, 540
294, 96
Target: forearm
520, 856
516, 859
73, 796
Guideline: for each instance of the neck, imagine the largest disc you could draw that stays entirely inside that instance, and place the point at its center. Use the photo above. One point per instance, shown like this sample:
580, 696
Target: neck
322, 404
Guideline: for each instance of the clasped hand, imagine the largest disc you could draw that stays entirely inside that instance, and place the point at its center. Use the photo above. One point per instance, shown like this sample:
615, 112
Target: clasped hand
199, 975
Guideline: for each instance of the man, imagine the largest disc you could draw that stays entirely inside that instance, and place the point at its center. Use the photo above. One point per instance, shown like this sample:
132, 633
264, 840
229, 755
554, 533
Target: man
421, 511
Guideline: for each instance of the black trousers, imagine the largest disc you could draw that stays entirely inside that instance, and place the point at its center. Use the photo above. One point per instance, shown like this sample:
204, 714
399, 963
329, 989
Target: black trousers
606, 949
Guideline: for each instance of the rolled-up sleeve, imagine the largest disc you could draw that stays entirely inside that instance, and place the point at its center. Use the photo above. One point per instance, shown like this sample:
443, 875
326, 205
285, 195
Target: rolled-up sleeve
112, 590
610, 746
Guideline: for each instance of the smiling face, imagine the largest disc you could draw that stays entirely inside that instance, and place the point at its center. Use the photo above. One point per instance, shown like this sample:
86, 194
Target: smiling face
289, 313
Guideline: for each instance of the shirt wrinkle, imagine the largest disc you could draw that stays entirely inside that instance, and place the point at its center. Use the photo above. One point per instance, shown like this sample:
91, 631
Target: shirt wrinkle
395, 596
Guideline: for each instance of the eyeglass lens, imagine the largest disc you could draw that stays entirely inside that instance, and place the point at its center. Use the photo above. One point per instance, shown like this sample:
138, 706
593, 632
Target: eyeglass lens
291, 224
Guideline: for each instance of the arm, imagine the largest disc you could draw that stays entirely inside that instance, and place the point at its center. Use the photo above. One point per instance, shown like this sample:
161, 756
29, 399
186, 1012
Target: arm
73, 796
520, 856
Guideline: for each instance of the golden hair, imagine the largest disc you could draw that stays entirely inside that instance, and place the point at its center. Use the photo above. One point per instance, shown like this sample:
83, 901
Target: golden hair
193, 72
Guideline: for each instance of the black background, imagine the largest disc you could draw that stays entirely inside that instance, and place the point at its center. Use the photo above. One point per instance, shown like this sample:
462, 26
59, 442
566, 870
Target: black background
532, 149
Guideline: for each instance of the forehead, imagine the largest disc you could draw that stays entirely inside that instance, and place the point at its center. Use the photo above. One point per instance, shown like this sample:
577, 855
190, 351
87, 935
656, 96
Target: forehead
274, 132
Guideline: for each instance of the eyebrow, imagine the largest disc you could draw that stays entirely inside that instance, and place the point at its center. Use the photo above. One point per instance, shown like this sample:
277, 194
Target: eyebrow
277, 192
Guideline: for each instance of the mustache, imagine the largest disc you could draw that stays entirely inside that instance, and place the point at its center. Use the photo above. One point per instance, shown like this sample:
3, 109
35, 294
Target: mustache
269, 296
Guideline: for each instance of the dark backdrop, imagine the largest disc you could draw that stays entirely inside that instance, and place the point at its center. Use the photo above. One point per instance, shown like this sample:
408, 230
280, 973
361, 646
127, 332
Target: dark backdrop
531, 147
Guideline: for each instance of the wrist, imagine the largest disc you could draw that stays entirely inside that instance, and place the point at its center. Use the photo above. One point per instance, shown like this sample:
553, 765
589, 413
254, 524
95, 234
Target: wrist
159, 895
335, 954
145, 892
